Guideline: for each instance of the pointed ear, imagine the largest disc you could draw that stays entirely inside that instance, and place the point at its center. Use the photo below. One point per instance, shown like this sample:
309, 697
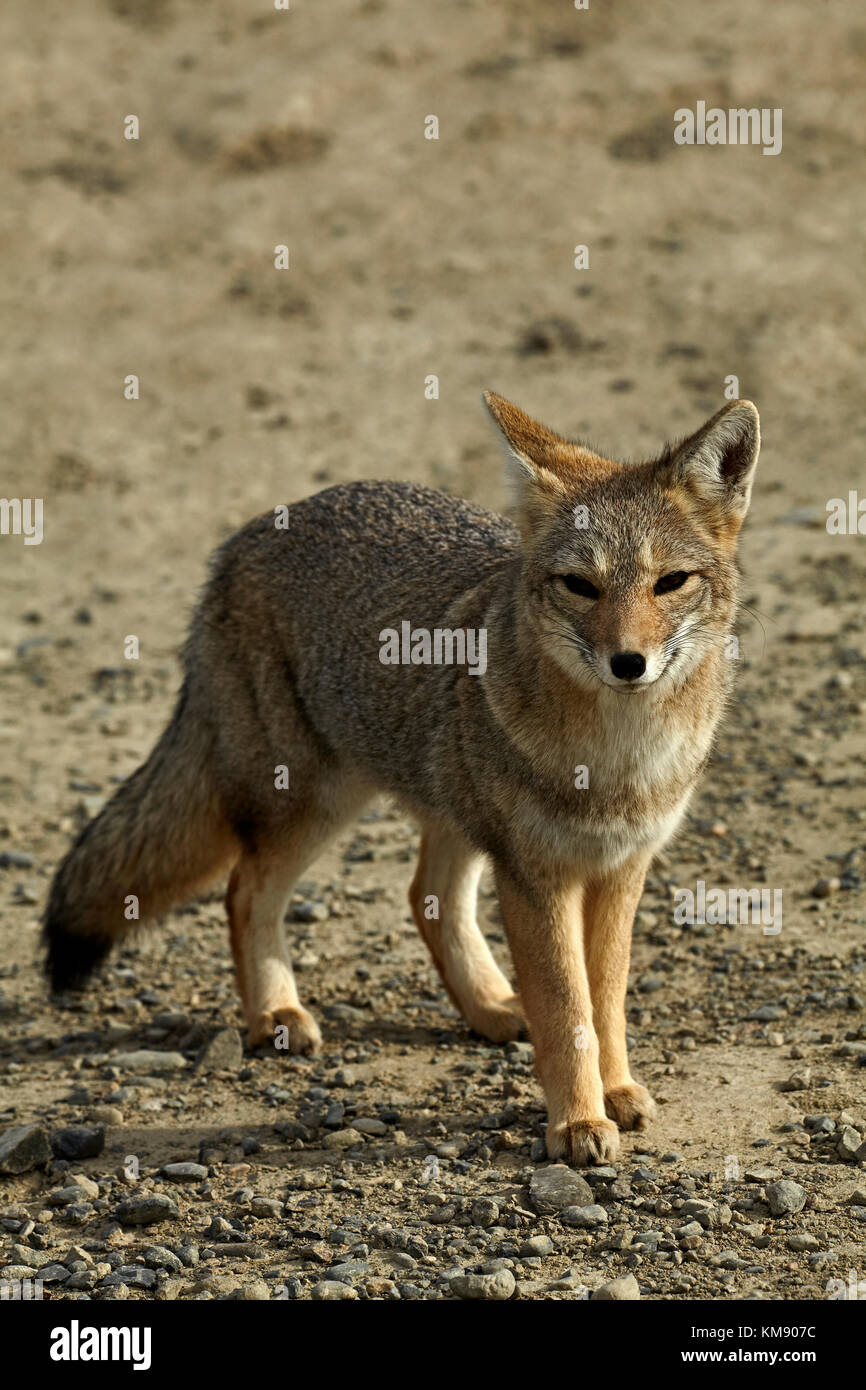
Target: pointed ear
544, 457
718, 463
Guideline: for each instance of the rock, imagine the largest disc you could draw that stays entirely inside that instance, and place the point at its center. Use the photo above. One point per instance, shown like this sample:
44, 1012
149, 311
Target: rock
785, 1197
342, 1139
78, 1141
17, 1274
145, 1210
826, 887
601, 1174
621, 1190
157, 1257
381, 1288
120, 1291
23, 1255
106, 1115
618, 1290
690, 1231
440, 1216
83, 1189
767, 1013
23, 1147
708, 1214
484, 1212
803, 1241
648, 984
489, 1288
797, 1081
224, 1052
542, 1245
728, 1259
266, 1207
255, 1292
184, 1172
145, 1060
133, 1276
588, 1218
309, 912
820, 1124
848, 1144
761, 1172
219, 1228
349, 1270
329, 1290
370, 1125
16, 859
556, 1186
54, 1274
77, 1213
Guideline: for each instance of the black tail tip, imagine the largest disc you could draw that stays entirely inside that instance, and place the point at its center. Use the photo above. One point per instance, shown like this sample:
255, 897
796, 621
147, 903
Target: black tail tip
71, 957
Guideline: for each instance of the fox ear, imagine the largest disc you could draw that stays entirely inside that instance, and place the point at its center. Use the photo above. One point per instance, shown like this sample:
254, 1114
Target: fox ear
718, 462
544, 457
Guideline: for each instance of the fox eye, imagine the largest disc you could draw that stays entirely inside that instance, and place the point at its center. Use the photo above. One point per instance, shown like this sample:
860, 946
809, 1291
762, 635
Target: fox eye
668, 582
576, 585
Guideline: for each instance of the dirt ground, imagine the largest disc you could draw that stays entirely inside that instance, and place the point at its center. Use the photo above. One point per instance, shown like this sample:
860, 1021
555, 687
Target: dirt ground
408, 258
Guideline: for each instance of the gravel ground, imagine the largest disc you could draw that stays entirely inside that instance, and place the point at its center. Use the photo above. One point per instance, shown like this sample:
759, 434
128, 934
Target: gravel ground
144, 1154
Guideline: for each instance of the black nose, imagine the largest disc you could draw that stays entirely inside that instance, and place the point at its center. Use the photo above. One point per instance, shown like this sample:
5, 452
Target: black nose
627, 666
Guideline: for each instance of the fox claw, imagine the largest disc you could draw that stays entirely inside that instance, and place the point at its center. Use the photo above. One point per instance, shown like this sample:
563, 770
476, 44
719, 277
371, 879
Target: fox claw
584, 1142
499, 1022
290, 1030
631, 1106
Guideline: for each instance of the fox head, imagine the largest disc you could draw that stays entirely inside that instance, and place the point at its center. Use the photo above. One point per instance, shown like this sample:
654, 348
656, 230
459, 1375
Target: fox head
629, 574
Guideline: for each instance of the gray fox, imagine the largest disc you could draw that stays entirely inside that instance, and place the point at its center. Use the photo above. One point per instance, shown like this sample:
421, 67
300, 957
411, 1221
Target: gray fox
581, 674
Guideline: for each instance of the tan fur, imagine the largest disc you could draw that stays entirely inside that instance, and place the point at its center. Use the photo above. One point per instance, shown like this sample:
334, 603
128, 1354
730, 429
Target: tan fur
283, 669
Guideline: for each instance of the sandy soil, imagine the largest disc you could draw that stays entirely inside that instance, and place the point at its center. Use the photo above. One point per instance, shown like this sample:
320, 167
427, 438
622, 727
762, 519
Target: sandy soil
411, 257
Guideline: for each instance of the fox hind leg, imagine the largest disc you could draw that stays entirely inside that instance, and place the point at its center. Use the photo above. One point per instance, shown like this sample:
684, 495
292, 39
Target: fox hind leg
258, 891
442, 897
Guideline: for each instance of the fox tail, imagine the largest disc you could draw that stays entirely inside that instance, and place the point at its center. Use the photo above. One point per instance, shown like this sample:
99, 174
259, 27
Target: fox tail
163, 835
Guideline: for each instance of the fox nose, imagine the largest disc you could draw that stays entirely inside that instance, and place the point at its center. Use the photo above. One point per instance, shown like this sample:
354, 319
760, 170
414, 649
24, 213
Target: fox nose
627, 666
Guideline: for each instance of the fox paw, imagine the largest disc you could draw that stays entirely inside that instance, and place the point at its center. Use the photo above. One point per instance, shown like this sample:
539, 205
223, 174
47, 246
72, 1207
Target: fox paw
287, 1030
584, 1142
500, 1021
631, 1106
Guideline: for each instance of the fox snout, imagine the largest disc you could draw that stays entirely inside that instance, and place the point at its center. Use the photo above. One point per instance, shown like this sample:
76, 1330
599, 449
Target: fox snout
630, 655
628, 666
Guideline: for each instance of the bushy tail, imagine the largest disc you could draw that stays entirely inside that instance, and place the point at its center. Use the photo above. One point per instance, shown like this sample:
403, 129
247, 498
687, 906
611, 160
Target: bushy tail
163, 835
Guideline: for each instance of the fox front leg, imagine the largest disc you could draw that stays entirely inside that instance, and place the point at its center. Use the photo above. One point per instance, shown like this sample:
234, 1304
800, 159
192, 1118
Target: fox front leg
546, 940
610, 903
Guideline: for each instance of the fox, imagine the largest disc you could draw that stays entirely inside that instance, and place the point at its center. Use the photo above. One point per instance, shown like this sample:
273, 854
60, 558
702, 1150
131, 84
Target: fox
565, 765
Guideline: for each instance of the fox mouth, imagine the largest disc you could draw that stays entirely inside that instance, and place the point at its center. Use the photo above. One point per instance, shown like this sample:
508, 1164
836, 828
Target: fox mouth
631, 687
